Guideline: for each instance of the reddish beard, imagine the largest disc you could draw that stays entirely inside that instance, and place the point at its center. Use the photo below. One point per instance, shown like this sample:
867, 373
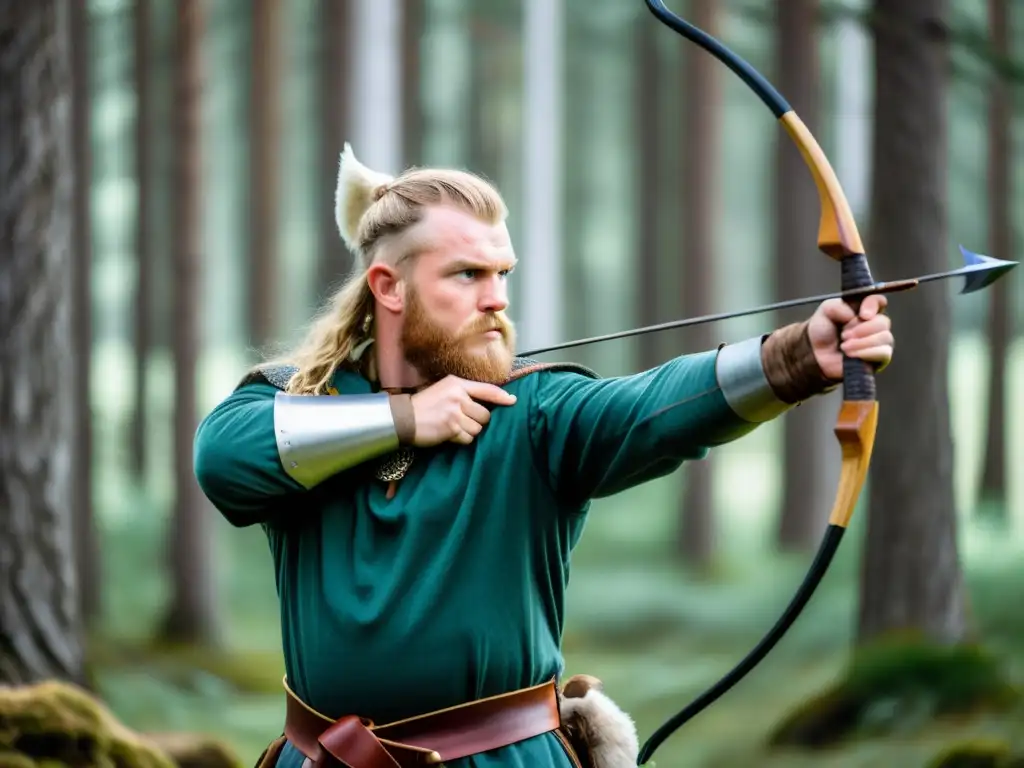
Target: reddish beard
436, 352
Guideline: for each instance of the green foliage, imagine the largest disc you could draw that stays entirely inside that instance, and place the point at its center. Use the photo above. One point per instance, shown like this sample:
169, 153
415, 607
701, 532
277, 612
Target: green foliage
980, 753
896, 685
244, 671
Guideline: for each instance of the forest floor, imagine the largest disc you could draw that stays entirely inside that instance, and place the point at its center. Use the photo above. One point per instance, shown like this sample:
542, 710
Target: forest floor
656, 636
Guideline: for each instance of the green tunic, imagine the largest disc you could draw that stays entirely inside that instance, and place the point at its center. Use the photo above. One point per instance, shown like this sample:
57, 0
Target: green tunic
454, 589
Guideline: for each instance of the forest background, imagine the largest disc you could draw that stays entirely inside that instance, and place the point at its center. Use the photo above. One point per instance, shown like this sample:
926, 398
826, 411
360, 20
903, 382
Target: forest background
167, 211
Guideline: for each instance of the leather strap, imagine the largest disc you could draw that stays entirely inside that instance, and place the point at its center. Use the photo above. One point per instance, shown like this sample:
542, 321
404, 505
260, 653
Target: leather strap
424, 740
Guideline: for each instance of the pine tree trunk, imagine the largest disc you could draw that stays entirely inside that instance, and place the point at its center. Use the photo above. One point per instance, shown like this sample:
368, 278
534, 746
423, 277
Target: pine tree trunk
413, 13
648, 69
192, 617
144, 233
701, 133
334, 261
911, 576
264, 156
1000, 166
810, 467
87, 554
40, 633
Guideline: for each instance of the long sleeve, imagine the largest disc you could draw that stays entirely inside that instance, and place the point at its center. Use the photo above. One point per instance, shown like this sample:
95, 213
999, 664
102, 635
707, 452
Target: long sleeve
595, 438
236, 459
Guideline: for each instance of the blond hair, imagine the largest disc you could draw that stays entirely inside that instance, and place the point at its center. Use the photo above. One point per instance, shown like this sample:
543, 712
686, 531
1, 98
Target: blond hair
371, 210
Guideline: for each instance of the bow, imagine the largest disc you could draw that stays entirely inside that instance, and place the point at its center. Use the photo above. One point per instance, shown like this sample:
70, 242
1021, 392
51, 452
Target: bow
839, 239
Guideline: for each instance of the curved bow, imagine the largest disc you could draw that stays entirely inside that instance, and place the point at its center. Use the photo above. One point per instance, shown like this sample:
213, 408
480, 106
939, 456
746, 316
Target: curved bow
839, 239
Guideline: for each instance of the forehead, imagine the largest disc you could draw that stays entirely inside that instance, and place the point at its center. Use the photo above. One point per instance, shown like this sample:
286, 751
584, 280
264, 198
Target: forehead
449, 234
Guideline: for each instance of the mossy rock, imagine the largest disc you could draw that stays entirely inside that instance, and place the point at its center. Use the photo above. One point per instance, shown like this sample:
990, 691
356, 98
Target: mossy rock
899, 685
979, 754
187, 750
56, 725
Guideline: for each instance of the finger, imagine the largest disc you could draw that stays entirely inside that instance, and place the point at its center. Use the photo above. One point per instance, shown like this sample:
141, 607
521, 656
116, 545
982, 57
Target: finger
488, 393
462, 437
837, 311
873, 305
469, 426
857, 344
863, 347
861, 328
876, 354
478, 413
880, 357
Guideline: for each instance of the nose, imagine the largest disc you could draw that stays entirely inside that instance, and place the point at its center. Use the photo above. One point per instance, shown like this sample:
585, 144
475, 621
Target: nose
494, 296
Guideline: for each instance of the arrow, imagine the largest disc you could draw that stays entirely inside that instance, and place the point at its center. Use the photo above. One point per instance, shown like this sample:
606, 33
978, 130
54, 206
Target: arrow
978, 272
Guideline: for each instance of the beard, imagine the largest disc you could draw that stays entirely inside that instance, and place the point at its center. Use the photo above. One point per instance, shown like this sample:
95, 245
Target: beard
436, 352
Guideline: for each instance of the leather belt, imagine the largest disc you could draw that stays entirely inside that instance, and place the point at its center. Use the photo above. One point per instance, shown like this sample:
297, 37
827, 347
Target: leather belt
430, 739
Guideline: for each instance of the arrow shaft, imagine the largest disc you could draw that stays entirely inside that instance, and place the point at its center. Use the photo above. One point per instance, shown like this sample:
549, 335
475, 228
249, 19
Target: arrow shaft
894, 286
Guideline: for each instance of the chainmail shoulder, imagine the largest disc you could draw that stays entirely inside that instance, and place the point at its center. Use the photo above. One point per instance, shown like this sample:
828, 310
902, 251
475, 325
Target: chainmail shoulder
524, 366
275, 375
279, 375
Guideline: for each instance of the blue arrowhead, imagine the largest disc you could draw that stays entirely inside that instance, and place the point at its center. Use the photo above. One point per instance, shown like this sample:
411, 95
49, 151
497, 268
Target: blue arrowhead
981, 271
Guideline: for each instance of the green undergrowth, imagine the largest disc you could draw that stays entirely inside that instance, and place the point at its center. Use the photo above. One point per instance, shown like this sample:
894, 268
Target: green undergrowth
245, 671
898, 685
980, 753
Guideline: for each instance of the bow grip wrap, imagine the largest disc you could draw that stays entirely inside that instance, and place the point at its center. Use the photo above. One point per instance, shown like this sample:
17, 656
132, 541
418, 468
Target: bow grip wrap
858, 375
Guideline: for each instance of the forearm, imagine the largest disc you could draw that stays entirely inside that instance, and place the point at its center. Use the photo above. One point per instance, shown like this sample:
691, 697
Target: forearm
259, 446
318, 437
600, 437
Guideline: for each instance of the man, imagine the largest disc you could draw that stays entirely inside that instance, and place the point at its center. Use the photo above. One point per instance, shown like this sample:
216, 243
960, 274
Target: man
422, 489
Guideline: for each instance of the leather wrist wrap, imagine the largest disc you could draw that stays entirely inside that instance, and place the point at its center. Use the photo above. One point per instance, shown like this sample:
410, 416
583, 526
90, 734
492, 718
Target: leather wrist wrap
790, 366
405, 418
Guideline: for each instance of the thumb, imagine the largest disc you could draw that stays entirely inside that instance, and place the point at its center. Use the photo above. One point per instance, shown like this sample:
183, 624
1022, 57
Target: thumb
837, 311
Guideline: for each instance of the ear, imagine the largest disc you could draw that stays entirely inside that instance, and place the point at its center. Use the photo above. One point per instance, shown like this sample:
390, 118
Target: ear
387, 287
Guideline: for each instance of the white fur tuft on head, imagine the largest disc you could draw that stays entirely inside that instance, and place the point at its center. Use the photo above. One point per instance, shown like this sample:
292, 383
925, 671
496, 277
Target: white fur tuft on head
356, 192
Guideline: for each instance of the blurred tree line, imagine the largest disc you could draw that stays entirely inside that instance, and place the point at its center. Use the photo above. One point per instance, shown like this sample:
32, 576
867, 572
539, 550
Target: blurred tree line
168, 173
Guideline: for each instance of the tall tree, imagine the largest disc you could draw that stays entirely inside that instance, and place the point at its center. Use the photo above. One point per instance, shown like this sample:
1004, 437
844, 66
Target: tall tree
87, 555
1000, 236
192, 615
336, 69
698, 172
144, 231
811, 451
264, 140
911, 576
650, 253
542, 294
40, 632
413, 17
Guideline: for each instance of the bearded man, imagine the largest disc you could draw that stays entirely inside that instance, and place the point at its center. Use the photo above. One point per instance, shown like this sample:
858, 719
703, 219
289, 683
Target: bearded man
422, 489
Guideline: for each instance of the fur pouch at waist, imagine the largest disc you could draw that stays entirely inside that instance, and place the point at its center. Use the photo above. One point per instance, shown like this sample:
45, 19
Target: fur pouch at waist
602, 735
